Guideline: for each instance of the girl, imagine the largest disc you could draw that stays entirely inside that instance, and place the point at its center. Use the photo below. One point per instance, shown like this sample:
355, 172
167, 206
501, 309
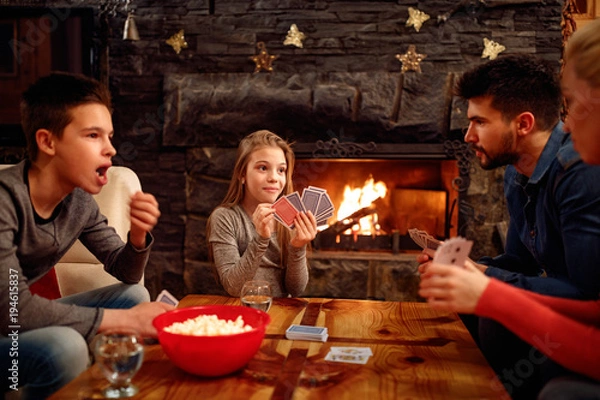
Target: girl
244, 239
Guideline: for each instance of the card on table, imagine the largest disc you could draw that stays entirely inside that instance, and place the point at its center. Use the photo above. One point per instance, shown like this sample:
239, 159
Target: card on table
306, 332
353, 355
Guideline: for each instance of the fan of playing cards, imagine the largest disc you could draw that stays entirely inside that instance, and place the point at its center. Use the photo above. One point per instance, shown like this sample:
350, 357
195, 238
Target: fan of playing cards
313, 198
454, 251
425, 241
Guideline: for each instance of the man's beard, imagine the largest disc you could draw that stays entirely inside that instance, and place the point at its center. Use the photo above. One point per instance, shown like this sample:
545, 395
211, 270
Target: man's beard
505, 155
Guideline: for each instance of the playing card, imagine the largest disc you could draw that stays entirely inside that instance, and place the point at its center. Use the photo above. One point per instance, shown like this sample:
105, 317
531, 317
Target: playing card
352, 350
354, 355
310, 198
325, 205
166, 297
286, 211
453, 251
296, 201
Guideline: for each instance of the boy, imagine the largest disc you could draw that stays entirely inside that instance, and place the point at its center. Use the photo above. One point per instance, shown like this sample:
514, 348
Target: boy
46, 205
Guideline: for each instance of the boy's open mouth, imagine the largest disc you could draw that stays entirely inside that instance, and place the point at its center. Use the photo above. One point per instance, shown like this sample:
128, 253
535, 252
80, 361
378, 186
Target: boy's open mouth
102, 171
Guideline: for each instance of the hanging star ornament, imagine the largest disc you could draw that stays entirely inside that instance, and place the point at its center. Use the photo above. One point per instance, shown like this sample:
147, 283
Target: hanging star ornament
263, 60
411, 60
177, 42
294, 37
491, 49
416, 18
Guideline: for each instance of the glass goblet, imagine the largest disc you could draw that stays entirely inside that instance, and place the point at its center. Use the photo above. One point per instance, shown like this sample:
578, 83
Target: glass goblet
256, 294
119, 354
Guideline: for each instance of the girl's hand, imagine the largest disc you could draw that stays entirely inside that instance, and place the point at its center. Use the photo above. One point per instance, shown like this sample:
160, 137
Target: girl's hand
263, 220
305, 229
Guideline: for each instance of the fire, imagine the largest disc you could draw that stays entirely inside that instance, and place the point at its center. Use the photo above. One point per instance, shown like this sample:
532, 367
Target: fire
356, 199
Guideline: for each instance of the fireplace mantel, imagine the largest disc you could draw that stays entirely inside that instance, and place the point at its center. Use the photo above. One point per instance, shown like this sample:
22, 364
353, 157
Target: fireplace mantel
382, 107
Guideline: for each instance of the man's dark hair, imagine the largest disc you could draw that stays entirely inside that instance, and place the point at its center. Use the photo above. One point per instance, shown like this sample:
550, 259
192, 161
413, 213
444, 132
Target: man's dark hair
516, 84
47, 104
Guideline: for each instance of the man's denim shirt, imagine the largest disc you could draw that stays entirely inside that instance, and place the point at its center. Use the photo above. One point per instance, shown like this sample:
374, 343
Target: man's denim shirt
554, 227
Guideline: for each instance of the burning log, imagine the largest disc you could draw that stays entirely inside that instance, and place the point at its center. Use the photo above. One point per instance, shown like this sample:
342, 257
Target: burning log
353, 219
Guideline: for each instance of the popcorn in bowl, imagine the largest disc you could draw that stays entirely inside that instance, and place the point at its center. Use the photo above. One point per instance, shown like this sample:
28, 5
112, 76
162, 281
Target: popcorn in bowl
220, 353
209, 325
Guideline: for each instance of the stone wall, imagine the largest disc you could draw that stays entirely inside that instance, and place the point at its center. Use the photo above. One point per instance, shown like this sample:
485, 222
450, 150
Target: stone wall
341, 36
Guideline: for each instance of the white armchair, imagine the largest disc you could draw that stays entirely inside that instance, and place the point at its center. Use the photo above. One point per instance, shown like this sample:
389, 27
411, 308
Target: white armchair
79, 270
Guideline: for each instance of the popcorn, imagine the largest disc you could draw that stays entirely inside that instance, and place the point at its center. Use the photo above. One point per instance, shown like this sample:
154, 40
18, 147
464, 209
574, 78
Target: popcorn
209, 325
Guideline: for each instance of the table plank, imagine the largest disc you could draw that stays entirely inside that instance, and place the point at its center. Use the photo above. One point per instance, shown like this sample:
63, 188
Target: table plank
417, 353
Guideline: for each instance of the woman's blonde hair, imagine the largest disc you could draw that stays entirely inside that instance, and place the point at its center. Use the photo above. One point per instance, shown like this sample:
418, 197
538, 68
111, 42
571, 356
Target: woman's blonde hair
235, 193
583, 49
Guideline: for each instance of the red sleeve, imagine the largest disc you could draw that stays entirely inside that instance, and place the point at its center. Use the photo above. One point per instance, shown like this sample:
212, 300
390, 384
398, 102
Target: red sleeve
552, 325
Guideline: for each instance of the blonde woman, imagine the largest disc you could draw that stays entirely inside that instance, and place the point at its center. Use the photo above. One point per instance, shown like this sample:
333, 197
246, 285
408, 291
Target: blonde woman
245, 241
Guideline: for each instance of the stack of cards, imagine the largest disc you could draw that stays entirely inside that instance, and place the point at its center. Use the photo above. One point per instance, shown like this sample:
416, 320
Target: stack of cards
428, 243
453, 251
306, 332
313, 198
354, 355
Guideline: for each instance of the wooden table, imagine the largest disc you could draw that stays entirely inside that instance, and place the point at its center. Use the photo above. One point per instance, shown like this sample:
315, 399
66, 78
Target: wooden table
418, 353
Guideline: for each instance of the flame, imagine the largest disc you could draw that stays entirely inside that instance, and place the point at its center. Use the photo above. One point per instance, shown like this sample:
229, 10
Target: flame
358, 198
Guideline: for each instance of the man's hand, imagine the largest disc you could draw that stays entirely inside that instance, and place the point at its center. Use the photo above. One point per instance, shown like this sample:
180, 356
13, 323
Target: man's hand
144, 216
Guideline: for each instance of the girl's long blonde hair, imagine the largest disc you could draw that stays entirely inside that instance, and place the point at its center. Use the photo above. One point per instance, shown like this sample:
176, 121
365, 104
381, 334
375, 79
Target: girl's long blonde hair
235, 193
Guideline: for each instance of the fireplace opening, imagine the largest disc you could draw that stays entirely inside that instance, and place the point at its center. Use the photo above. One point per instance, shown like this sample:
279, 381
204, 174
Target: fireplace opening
397, 195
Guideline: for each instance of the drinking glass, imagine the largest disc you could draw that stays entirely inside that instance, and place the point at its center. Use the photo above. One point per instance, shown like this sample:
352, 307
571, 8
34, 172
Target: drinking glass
256, 294
119, 354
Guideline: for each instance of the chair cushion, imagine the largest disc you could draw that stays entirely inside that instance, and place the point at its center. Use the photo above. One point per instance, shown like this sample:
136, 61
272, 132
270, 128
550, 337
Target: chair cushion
46, 286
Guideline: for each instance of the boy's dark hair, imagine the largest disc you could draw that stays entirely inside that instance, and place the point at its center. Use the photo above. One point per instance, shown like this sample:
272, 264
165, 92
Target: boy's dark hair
516, 84
47, 104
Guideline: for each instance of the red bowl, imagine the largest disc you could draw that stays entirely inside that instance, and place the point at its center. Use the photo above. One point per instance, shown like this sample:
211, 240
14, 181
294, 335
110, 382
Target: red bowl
212, 355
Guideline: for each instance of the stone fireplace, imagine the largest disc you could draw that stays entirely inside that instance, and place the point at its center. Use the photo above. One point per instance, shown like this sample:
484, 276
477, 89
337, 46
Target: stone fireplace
346, 129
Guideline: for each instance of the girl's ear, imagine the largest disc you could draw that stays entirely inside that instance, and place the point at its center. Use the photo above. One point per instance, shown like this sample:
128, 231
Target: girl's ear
45, 141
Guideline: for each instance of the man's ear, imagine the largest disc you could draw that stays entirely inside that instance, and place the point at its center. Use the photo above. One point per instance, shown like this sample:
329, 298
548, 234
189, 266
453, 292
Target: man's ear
525, 123
45, 141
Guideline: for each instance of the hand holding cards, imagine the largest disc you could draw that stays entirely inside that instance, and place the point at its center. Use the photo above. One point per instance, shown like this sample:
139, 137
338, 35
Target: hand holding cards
314, 199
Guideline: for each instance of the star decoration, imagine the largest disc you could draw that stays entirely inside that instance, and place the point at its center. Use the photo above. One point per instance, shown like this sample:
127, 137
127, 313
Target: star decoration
416, 18
177, 42
294, 37
491, 49
411, 60
263, 60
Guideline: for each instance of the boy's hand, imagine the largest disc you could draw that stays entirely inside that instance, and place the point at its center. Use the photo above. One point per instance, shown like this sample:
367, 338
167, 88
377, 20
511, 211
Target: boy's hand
138, 317
144, 216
